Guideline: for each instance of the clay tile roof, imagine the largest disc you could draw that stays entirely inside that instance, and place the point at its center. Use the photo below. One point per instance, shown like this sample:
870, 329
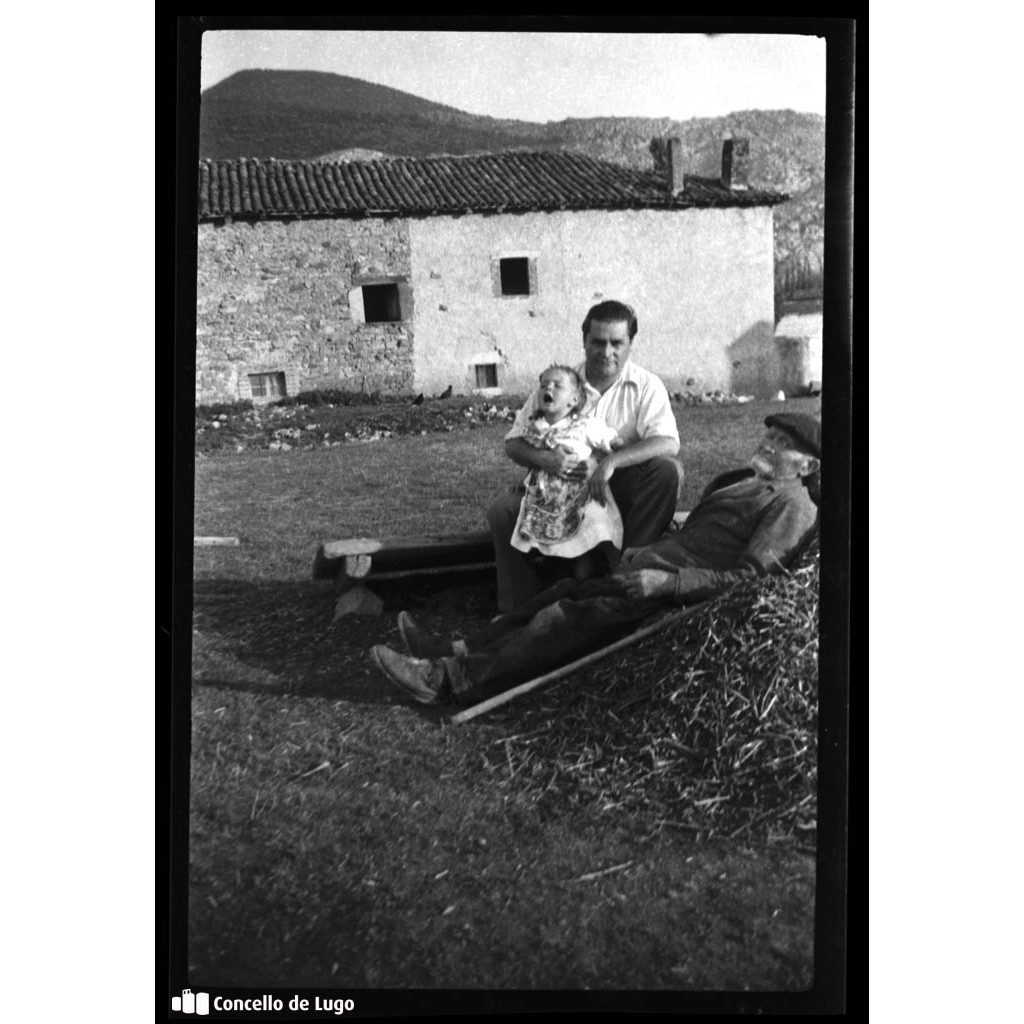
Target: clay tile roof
492, 182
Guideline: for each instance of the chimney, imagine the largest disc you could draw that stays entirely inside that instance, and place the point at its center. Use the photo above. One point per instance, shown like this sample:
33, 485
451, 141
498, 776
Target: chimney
735, 163
674, 166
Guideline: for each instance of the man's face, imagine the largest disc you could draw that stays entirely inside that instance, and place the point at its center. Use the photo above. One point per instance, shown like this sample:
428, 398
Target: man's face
777, 457
607, 348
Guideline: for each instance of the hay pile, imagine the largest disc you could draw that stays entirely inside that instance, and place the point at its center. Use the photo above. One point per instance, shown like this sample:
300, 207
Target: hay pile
711, 724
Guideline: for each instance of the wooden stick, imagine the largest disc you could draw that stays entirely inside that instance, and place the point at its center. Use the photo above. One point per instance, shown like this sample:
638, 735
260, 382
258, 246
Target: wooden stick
598, 874
210, 542
312, 771
565, 670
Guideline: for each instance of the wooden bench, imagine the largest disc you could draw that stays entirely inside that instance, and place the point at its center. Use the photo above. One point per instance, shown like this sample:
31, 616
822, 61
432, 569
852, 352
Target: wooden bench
352, 563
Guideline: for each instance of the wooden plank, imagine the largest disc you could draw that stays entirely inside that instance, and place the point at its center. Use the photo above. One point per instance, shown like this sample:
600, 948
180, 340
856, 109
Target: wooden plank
353, 546
436, 570
406, 555
436, 542
566, 670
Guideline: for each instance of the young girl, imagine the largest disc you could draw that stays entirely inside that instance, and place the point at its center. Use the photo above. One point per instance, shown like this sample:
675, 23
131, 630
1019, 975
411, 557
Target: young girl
557, 517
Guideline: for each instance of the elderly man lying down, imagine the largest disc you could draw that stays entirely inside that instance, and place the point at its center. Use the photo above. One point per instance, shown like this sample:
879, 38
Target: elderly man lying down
741, 528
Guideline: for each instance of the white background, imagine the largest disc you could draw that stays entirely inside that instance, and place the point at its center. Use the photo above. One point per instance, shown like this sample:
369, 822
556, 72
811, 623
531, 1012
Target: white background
939, 454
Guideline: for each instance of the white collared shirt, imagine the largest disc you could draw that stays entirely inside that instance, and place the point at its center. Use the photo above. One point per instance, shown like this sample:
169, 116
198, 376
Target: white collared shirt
636, 406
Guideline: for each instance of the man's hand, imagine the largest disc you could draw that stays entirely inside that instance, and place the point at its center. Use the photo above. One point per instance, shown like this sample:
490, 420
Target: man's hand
560, 461
565, 462
643, 583
599, 479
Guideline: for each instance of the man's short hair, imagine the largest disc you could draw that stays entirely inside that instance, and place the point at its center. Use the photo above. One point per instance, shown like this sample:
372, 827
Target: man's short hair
609, 312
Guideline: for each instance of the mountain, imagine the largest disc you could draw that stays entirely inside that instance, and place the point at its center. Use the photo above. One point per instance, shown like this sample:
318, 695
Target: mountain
301, 115
305, 115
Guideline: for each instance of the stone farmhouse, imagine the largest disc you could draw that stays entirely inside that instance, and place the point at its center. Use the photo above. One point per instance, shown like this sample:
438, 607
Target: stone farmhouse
405, 276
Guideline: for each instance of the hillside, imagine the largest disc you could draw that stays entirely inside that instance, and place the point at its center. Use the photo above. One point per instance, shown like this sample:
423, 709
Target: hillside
301, 115
315, 115
787, 154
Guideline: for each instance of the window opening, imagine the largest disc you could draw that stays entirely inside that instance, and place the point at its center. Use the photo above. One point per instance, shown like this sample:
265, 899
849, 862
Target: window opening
486, 375
515, 275
267, 385
380, 303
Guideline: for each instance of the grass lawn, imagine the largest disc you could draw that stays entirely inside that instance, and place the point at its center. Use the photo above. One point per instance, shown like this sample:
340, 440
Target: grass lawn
343, 837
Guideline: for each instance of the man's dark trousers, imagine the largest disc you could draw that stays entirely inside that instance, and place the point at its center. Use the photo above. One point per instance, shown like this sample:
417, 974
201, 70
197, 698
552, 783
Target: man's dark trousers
557, 626
647, 495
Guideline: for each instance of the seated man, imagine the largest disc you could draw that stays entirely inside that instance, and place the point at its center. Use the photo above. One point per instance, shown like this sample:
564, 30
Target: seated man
750, 527
643, 476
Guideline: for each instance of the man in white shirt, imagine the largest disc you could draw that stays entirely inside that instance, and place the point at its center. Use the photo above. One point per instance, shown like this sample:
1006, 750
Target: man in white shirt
643, 476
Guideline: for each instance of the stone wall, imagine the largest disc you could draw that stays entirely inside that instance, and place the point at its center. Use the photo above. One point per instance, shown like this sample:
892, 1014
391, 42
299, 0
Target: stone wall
287, 297
283, 297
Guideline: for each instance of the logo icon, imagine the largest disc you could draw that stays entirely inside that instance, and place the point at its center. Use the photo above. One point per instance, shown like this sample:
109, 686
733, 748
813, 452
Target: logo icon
188, 1002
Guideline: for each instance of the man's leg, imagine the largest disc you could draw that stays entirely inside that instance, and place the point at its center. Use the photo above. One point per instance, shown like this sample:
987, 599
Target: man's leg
647, 495
557, 626
554, 636
564, 589
422, 645
517, 579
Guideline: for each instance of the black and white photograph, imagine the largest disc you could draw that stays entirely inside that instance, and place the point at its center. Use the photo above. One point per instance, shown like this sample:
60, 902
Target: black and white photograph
517, 672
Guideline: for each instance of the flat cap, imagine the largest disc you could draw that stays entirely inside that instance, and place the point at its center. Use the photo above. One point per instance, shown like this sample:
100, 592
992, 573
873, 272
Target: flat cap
804, 429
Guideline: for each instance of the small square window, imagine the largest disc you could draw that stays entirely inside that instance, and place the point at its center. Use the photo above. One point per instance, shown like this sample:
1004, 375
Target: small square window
486, 375
381, 303
515, 275
267, 385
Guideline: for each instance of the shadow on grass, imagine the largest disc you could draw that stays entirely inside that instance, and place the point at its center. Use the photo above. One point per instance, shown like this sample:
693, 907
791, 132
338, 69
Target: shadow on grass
278, 636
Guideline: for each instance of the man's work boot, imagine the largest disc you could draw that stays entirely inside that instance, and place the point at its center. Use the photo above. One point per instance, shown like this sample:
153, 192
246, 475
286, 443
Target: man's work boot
419, 643
426, 680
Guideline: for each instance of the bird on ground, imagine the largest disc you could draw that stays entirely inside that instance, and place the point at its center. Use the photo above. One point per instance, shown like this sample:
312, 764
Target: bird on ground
418, 400
447, 393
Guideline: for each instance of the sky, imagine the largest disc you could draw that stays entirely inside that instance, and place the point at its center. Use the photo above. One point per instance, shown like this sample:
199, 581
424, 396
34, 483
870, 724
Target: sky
548, 76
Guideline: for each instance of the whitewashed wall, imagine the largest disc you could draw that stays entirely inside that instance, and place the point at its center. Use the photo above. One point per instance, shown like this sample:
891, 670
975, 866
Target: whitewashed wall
701, 282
